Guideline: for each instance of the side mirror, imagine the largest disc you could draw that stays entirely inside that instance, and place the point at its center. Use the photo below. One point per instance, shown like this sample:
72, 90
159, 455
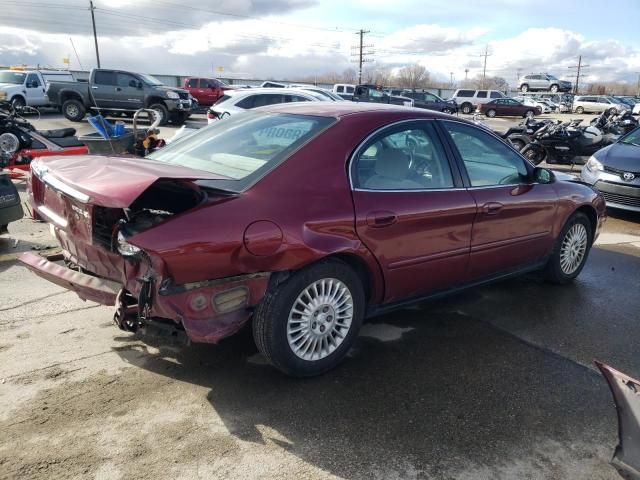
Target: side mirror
543, 175
133, 83
139, 85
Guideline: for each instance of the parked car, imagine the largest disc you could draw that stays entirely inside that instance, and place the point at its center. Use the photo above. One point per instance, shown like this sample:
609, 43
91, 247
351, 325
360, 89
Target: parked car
236, 101
206, 91
430, 101
636, 109
508, 107
615, 172
597, 104
304, 219
534, 102
270, 84
327, 94
468, 100
373, 94
345, 90
120, 92
543, 81
27, 87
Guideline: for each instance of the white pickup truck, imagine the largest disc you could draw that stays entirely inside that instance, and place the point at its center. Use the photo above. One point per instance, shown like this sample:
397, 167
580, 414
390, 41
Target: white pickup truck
27, 87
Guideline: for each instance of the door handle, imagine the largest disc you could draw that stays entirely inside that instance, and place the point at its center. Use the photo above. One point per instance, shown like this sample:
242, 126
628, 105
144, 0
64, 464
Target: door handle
492, 208
381, 219
118, 89
94, 87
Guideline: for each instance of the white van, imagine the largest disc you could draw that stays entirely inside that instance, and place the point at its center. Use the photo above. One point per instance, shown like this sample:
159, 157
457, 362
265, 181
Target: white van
469, 99
345, 90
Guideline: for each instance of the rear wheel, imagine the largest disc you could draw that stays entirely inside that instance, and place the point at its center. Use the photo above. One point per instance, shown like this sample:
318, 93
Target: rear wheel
570, 251
554, 88
532, 154
524, 87
491, 113
73, 110
305, 325
580, 110
466, 108
517, 144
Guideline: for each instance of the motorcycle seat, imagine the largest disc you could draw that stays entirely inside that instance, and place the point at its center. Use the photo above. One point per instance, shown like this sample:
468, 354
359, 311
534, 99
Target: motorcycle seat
59, 133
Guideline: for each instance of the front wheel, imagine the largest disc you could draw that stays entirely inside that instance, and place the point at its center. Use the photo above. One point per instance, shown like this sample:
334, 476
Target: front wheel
161, 112
524, 88
491, 113
447, 110
532, 154
517, 144
529, 114
554, 88
570, 251
306, 325
18, 103
466, 108
580, 110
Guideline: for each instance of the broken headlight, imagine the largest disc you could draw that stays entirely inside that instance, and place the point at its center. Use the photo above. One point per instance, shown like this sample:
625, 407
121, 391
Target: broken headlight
125, 248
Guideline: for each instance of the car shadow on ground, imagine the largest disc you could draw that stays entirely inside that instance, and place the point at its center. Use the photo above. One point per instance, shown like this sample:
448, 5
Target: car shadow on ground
451, 394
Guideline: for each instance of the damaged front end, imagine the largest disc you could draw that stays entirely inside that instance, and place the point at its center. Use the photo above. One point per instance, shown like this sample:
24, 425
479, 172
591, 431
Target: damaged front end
626, 394
97, 225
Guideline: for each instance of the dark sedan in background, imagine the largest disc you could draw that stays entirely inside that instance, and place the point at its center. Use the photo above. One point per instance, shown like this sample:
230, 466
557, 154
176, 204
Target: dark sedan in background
615, 172
508, 107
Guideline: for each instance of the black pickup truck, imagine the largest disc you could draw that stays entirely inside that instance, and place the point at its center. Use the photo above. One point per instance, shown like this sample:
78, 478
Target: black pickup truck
373, 94
115, 92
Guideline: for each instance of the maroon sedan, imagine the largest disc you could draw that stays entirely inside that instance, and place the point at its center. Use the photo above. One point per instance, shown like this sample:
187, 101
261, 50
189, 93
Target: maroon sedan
508, 107
305, 219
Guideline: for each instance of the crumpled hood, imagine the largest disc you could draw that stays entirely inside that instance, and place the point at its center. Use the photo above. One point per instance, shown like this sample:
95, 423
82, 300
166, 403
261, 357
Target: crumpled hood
113, 182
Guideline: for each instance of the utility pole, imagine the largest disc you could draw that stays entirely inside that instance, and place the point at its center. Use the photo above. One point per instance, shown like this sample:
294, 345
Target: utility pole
638, 93
95, 35
484, 70
466, 75
451, 73
578, 67
362, 55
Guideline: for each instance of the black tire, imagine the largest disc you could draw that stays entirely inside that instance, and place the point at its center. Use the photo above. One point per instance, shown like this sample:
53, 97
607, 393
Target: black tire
178, 118
466, 108
18, 102
579, 110
73, 110
161, 111
554, 88
272, 315
491, 113
447, 110
517, 144
553, 271
529, 114
524, 88
532, 155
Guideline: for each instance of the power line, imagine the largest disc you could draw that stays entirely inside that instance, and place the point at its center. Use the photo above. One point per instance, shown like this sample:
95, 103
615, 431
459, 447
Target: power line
362, 55
578, 75
484, 70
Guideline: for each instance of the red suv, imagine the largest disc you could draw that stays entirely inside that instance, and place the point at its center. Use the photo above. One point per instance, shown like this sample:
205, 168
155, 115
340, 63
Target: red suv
206, 91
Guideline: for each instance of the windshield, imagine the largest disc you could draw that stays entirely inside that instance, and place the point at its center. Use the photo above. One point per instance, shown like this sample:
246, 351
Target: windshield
17, 78
632, 138
243, 147
149, 80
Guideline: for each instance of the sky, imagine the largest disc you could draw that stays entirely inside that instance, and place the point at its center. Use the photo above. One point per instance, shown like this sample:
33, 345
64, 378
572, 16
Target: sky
288, 39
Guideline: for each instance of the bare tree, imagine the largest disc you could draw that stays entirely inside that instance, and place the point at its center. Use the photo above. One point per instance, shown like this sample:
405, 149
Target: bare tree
413, 76
349, 75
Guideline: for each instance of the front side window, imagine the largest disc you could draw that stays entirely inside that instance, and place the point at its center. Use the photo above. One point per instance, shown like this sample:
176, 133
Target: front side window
407, 158
192, 83
243, 147
488, 161
376, 94
33, 80
350, 89
296, 98
126, 80
340, 89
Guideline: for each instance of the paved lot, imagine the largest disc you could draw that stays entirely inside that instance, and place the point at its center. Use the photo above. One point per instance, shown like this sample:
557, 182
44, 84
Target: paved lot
496, 383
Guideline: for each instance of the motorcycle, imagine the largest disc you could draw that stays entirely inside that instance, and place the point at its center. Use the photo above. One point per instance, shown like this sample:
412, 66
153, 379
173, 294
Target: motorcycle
20, 142
615, 123
521, 134
566, 143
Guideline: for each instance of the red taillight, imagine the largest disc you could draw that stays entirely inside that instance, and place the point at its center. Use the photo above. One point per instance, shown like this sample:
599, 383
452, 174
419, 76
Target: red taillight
210, 115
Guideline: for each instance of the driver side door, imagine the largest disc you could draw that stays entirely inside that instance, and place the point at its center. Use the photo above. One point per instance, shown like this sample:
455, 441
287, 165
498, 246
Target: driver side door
513, 225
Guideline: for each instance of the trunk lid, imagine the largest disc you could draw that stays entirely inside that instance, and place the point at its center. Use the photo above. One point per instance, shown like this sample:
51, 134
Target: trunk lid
113, 182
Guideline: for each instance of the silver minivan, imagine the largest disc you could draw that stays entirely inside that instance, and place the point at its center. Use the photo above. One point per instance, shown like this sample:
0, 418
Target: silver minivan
597, 104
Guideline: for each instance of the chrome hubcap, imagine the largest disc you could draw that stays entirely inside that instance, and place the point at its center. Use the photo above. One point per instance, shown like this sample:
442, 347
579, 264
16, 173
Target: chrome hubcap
320, 319
574, 247
72, 110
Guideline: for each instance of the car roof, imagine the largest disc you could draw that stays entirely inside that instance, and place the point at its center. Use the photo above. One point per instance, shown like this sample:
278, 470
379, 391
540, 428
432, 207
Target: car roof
341, 109
288, 91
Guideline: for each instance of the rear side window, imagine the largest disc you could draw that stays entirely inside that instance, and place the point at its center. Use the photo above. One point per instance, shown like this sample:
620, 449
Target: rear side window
105, 78
466, 93
340, 89
296, 98
255, 101
223, 98
482, 94
193, 83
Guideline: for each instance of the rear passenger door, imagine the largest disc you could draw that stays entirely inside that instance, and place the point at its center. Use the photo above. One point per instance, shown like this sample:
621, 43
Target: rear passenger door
103, 89
411, 210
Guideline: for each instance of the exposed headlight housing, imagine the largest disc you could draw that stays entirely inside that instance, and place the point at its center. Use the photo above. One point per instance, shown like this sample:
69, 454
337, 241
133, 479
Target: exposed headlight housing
3, 95
172, 95
125, 248
594, 165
